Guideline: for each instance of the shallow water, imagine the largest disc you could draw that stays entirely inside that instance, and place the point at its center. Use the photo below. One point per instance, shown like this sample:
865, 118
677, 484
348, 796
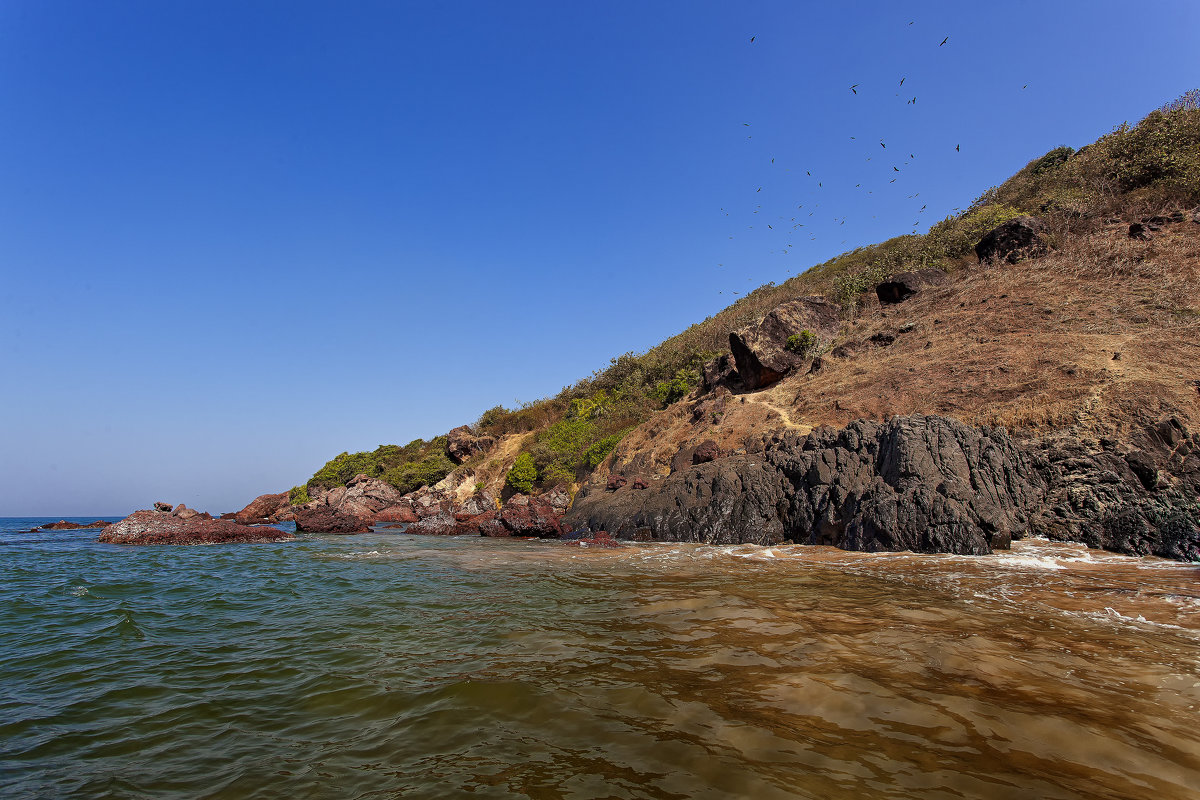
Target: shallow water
386, 665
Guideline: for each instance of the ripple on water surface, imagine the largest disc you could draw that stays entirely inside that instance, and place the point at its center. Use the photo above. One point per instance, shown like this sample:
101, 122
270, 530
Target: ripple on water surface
385, 666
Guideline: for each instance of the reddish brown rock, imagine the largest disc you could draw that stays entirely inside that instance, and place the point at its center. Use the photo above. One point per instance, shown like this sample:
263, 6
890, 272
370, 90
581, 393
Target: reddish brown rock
155, 527
705, 452
639, 483
615, 482
262, 508
63, 525
398, 513
163, 507
327, 520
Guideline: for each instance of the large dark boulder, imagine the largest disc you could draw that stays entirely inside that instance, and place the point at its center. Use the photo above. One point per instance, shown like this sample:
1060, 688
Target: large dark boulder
328, 520
156, 527
760, 351
1023, 237
927, 484
899, 288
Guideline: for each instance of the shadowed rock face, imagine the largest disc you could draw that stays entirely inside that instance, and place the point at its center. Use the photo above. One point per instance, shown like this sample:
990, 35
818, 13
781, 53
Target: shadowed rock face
156, 527
760, 350
900, 287
927, 484
1023, 237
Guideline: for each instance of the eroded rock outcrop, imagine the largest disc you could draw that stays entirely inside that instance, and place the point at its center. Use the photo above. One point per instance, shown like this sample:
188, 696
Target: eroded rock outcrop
63, 525
159, 527
761, 354
462, 444
927, 484
1140, 497
263, 508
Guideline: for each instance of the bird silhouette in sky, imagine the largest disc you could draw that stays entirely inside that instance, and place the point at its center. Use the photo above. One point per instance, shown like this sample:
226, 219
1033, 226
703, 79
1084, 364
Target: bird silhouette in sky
752, 38
944, 41
884, 146
897, 169
854, 88
957, 148
902, 80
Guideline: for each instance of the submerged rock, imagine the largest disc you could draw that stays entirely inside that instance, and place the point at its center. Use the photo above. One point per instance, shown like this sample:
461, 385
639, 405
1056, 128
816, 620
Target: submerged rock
156, 527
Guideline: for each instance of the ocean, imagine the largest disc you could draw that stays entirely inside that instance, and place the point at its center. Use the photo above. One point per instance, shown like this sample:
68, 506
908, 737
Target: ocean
384, 665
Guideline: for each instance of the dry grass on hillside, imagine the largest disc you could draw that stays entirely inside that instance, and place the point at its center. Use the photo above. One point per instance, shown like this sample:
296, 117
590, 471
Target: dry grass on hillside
1028, 346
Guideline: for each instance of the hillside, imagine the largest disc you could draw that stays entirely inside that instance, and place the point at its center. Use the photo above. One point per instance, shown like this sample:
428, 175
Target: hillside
1092, 333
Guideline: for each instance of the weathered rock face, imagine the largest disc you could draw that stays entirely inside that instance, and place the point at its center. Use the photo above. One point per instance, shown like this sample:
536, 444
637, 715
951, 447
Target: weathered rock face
927, 484
760, 350
1139, 498
900, 287
462, 444
398, 513
262, 508
329, 520
157, 527
1023, 237
365, 497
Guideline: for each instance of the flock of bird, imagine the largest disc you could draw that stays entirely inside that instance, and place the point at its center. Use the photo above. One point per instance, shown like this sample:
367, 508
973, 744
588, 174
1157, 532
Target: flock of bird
895, 173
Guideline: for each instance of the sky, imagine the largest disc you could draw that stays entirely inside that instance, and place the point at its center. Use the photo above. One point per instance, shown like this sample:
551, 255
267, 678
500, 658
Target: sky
239, 238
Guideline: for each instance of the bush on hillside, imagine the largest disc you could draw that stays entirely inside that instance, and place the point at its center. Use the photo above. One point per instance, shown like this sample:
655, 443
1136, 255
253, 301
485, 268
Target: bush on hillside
522, 475
802, 343
298, 495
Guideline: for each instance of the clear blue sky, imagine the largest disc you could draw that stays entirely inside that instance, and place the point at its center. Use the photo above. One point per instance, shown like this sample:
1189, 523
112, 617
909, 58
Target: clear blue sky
238, 238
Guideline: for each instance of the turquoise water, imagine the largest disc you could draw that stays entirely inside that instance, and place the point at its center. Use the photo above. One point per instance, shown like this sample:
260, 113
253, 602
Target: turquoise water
386, 665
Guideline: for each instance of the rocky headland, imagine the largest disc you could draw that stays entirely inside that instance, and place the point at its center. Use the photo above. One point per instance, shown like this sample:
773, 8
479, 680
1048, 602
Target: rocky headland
1028, 367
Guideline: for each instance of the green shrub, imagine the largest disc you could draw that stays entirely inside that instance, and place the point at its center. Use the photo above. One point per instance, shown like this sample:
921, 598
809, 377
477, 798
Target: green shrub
600, 450
412, 475
522, 475
298, 495
678, 387
1051, 161
802, 343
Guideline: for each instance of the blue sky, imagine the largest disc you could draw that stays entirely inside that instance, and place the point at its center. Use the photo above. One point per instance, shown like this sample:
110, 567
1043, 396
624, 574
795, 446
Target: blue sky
238, 238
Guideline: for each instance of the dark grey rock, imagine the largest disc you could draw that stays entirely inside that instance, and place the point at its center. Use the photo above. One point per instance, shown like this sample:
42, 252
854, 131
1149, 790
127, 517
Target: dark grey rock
1023, 237
927, 484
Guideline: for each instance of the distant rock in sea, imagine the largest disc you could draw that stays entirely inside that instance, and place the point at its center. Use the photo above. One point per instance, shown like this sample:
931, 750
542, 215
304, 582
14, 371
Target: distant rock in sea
162, 527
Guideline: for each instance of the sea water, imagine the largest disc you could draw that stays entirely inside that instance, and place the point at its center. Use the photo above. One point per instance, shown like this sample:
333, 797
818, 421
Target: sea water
386, 665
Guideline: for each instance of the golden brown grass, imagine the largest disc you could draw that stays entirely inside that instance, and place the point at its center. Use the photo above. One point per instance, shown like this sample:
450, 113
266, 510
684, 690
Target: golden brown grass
1028, 347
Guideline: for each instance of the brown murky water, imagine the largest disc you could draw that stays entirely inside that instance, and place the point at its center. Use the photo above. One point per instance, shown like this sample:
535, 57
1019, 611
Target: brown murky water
389, 666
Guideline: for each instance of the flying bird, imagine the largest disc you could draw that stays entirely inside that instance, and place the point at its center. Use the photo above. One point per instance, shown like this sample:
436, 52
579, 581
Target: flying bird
854, 88
902, 79
956, 148
884, 146
752, 38
897, 169
944, 41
